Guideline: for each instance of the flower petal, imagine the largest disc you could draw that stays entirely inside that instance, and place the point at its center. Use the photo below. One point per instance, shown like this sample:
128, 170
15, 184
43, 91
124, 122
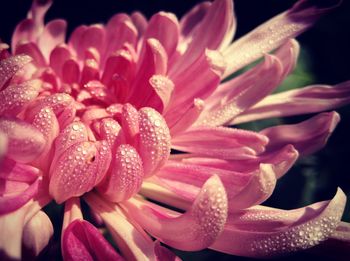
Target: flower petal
37, 233
125, 176
267, 232
307, 136
164, 254
154, 140
133, 242
10, 65
272, 34
24, 142
15, 97
220, 142
196, 229
314, 98
82, 241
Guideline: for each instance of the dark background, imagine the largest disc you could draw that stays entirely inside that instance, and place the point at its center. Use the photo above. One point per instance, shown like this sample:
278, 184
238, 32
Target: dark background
326, 56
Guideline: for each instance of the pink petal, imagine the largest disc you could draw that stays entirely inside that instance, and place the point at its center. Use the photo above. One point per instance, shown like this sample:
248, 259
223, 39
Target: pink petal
93, 36
154, 140
37, 233
9, 66
14, 98
140, 22
267, 232
82, 241
239, 94
125, 176
272, 34
309, 99
216, 27
111, 131
22, 33
196, 229
81, 167
132, 241
54, 34
164, 254
72, 211
153, 60
3, 146
59, 55
130, 123
162, 88
32, 50
24, 142
307, 136
221, 142
288, 55
165, 28
70, 71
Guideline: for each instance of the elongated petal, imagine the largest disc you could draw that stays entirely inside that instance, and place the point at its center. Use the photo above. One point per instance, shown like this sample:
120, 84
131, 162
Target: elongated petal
314, 98
307, 136
154, 140
266, 232
133, 242
24, 142
242, 92
14, 98
194, 230
125, 176
272, 34
163, 253
130, 122
82, 241
37, 233
78, 170
9, 66
221, 142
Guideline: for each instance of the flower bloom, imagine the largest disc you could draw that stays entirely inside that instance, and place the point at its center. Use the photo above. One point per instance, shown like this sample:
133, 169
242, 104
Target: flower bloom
95, 119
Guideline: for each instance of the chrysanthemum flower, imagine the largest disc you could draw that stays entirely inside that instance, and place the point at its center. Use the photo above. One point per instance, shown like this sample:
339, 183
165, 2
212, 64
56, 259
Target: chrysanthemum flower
95, 119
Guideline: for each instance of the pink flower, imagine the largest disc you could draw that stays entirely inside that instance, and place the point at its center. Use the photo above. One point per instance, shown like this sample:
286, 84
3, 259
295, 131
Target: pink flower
95, 119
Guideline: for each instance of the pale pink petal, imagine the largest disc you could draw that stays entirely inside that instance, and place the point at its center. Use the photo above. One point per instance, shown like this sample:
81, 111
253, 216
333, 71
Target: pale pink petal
288, 55
266, 232
72, 211
15, 97
162, 88
239, 94
165, 28
24, 142
54, 34
111, 131
221, 142
196, 229
82, 241
37, 233
81, 167
130, 123
125, 176
214, 30
132, 241
273, 33
314, 98
9, 66
307, 136
154, 140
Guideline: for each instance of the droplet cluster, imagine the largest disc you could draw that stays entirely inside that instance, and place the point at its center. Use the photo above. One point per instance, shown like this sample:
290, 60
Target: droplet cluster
9, 66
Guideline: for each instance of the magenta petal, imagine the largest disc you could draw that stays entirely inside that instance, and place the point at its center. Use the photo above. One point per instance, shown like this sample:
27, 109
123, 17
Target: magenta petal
37, 233
196, 229
78, 170
272, 34
82, 241
15, 97
154, 140
314, 98
267, 232
9, 66
125, 176
307, 136
24, 142
220, 142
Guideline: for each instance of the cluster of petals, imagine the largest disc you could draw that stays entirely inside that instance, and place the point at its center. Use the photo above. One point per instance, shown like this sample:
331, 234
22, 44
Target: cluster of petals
97, 119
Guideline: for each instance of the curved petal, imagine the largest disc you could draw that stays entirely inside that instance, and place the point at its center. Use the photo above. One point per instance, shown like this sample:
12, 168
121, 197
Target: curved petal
154, 140
196, 229
37, 233
307, 136
133, 242
267, 232
24, 142
164, 254
82, 241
